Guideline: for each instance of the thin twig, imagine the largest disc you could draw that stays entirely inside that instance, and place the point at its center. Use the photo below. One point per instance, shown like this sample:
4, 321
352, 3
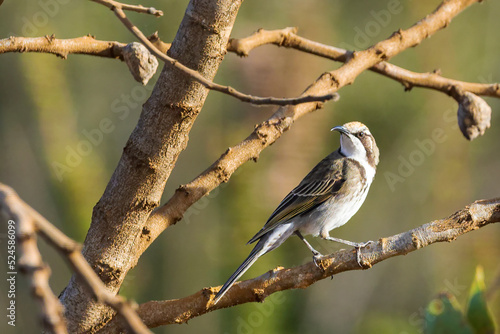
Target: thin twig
472, 217
288, 38
133, 8
17, 210
118, 10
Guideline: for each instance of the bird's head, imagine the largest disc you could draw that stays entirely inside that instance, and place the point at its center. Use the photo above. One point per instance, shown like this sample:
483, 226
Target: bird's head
357, 142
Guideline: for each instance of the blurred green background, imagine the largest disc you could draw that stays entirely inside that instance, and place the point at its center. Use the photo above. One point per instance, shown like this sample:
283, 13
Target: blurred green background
48, 104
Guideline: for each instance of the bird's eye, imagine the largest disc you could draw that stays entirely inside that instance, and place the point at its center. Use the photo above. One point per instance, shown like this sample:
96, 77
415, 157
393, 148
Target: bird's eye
361, 134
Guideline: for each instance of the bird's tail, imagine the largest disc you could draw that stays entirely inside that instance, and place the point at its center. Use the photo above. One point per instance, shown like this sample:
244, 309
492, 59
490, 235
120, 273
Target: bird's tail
257, 252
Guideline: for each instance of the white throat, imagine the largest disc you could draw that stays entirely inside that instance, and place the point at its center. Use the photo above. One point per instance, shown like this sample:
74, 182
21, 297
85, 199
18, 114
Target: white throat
353, 148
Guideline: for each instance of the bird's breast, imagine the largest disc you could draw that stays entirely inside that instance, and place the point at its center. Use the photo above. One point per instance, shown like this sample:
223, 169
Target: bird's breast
336, 211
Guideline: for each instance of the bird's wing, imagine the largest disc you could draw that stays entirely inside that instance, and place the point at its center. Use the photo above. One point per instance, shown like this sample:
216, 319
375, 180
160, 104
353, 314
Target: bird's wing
323, 182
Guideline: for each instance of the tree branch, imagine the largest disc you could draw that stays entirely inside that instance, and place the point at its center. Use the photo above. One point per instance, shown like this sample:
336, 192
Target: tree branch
269, 131
28, 221
288, 38
257, 100
149, 156
86, 45
472, 217
139, 9
141, 63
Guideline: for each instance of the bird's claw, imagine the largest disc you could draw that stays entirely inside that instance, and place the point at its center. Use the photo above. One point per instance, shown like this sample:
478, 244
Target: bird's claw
363, 244
358, 247
317, 260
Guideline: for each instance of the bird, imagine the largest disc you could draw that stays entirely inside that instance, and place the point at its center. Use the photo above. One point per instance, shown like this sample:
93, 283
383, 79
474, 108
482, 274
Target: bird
325, 199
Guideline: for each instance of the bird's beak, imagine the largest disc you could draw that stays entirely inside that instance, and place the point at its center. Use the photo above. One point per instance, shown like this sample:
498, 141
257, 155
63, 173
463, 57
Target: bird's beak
341, 129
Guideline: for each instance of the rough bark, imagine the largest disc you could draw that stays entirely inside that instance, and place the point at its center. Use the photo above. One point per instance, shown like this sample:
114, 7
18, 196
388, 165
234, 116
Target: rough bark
148, 158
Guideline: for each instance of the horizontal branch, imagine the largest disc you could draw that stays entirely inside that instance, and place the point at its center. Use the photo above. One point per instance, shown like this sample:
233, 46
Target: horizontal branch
472, 217
288, 38
86, 45
133, 8
30, 220
141, 63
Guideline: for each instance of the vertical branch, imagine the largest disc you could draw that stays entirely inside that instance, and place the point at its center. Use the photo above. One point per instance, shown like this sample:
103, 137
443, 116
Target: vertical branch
148, 158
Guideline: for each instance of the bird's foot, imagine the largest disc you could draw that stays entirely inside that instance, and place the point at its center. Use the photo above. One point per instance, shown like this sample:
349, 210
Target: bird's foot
358, 247
363, 244
317, 260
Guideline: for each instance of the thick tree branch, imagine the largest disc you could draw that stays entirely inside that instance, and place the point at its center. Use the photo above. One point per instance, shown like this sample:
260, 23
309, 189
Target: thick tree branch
472, 217
269, 131
257, 100
161, 134
30, 221
288, 38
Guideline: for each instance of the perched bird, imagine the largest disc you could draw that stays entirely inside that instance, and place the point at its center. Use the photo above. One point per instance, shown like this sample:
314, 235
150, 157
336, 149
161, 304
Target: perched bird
327, 198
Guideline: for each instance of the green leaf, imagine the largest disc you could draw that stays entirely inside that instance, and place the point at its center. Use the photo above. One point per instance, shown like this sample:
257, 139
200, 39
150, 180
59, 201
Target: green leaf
478, 314
444, 316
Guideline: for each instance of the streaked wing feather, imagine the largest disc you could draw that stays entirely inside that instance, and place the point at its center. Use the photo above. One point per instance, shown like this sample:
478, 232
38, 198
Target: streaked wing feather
305, 197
